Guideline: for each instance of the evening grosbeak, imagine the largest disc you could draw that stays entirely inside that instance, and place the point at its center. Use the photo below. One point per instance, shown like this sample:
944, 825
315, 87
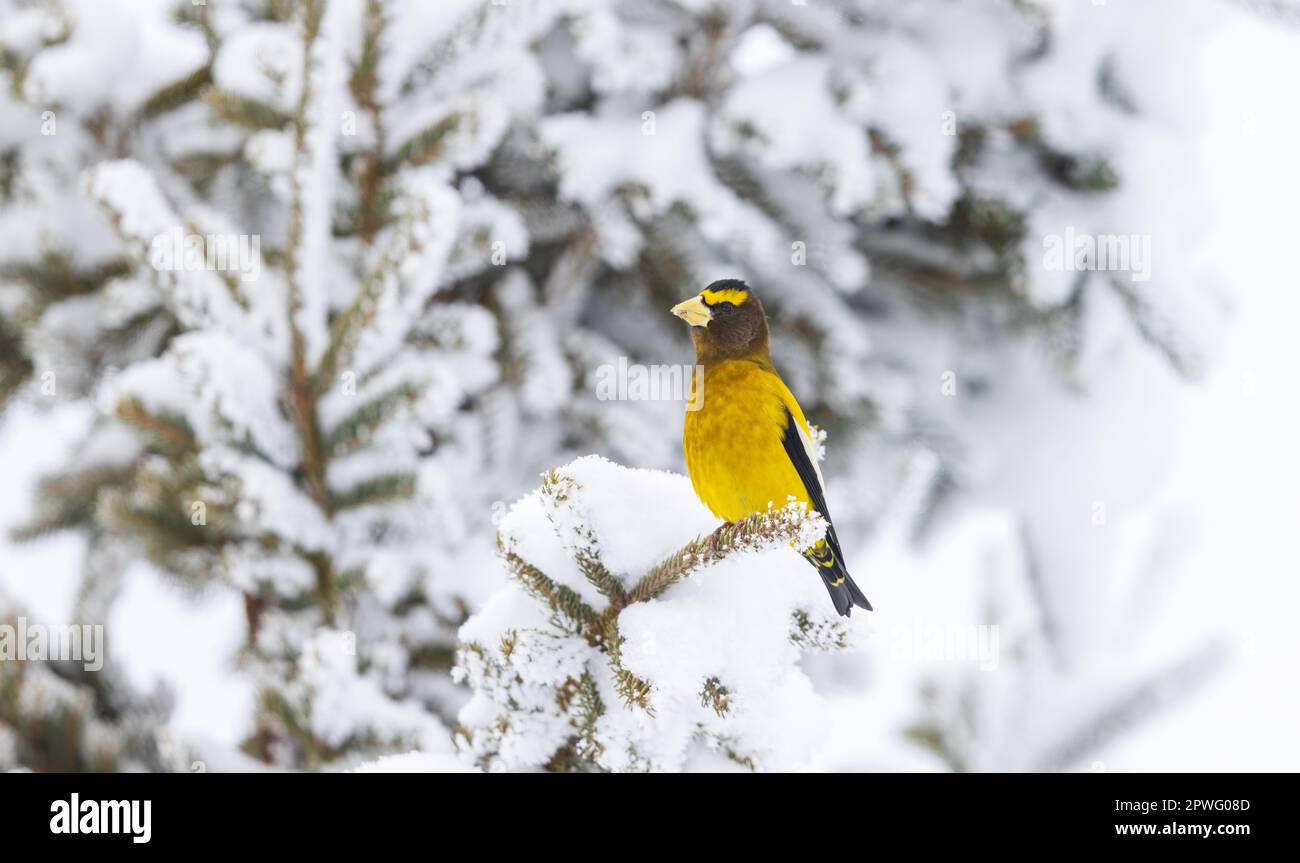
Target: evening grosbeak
747, 443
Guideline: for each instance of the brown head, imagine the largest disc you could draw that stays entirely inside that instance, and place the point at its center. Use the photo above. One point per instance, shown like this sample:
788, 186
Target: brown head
727, 323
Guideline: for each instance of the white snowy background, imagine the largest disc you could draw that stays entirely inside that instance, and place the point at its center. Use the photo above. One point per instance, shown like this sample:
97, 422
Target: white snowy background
1199, 481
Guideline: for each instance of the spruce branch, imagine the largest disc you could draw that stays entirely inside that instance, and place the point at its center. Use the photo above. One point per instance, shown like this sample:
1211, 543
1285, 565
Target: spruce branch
717, 696
790, 525
364, 85
163, 529
356, 428
302, 395
601, 578
170, 432
634, 690
588, 708
817, 635
175, 94
561, 495
423, 146
345, 330
378, 489
389, 272
243, 111
54, 276
312, 12
69, 500
559, 598
15, 366
327, 589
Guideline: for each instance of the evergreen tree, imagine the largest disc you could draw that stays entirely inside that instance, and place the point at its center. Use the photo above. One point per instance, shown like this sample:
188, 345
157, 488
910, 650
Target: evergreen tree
461, 216
66, 716
597, 658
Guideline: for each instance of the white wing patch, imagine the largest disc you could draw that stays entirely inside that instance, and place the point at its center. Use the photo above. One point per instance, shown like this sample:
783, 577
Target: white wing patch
811, 448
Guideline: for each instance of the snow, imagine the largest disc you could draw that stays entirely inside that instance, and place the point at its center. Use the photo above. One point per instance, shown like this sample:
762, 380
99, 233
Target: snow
163, 637
142, 216
599, 154
270, 500
808, 132
760, 49
1065, 493
233, 399
663, 510
1235, 451
101, 63
410, 260
347, 700
262, 62
415, 762
624, 58
40, 577
314, 179
731, 622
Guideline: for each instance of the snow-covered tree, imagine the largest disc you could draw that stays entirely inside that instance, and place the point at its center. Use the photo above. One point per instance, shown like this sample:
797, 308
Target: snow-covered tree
59, 716
299, 435
75, 89
459, 217
635, 638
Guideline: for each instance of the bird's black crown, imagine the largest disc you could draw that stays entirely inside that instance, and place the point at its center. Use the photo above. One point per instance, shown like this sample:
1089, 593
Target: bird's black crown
728, 285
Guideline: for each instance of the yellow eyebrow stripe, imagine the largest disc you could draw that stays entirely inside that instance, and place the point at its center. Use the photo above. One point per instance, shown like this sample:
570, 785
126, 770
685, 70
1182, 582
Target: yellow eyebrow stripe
730, 295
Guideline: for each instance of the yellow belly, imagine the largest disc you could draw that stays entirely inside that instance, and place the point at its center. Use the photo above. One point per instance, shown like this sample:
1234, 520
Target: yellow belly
733, 446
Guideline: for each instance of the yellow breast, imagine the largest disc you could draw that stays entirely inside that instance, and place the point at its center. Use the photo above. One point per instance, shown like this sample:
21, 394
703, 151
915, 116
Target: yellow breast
733, 446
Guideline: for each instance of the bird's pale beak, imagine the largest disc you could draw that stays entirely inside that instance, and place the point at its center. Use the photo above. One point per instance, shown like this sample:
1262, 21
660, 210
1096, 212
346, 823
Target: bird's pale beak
693, 311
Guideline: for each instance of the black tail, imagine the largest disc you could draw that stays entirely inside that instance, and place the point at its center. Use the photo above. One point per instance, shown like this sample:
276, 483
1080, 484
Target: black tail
828, 559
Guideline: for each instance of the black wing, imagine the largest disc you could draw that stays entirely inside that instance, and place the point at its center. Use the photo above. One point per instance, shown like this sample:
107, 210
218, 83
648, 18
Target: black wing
827, 557
792, 440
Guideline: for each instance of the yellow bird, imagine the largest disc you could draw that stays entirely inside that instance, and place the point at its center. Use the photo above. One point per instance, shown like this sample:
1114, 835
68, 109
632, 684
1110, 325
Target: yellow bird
748, 444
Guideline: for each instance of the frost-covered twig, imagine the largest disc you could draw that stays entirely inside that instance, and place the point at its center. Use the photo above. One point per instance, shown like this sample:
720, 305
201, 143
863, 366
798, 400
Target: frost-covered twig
791, 524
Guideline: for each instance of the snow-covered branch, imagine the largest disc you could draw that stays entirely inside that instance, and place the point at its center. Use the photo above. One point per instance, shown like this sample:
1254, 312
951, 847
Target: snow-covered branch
624, 644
